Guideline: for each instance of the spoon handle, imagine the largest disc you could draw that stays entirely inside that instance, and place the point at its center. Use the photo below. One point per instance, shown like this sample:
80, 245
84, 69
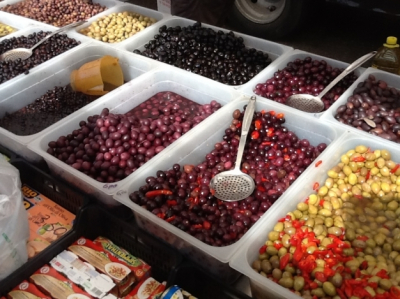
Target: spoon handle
348, 70
247, 118
58, 31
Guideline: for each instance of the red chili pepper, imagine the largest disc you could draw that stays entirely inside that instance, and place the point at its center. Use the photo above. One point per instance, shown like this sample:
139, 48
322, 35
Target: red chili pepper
262, 249
318, 163
341, 294
330, 262
313, 285
282, 219
297, 255
257, 124
360, 292
280, 115
348, 290
278, 245
329, 272
320, 276
395, 168
172, 202
284, 261
395, 292
368, 175
255, 135
358, 159
160, 215
155, 193
170, 218
362, 238
206, 225
239, 125
382, 274
315, 186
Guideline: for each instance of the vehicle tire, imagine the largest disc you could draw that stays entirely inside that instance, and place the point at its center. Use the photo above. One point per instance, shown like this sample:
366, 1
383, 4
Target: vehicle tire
267, 18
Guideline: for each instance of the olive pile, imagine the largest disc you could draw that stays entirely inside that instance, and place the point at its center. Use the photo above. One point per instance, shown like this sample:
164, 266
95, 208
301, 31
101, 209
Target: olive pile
217, 55
56, 45
117, 27
6, 29
344, 240
374, 107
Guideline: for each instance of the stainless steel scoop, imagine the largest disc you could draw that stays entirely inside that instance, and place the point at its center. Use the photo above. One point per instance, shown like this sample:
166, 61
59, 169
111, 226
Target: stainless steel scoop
314, 104
23, 53
234, 185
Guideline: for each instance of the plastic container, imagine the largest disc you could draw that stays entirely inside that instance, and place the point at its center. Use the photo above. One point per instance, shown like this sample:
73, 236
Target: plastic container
281, 63
16, 22
124, 99
274, 50
262, 287
201, 284
94, 221
64, 195
391, 79
9, 154
130, 8
57, 73
388, 57
193, 151
107, 3
10, 84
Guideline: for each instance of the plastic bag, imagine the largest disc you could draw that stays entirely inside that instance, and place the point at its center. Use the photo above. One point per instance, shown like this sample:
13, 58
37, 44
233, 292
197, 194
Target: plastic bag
14, 227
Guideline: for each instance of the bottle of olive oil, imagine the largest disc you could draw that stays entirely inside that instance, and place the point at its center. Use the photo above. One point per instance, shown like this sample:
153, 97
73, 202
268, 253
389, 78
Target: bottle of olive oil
388, 57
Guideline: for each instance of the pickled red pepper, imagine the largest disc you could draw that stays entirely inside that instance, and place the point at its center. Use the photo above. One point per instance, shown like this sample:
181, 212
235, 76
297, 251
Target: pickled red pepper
343, 241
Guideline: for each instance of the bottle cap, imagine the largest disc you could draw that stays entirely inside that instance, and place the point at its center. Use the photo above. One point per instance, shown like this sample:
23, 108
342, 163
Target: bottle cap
391, 42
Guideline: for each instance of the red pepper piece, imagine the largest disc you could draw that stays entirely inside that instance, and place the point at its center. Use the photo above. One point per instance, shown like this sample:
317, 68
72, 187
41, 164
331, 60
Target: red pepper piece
360, 292
266, 143
272, 112
198, 226
262, 249
373, 285
206, 225
270, 132
330, 262
239, 125
172, 202
281, 234
357, 274
278, 245
348, 291
257, 124
320, 276
314, 297
261, 188
280, 115
394, 292
315, 186
282, 219
395, 168
255, 135
321, 203
341, 294
358, 159
382, 274
263, 112
329, 272
155, 193
358, 196
160, 215
368, 175
170, 218
284, 261
313, 285
307, 200
286, 157
297, 255
362, 238
364, 265
319, 162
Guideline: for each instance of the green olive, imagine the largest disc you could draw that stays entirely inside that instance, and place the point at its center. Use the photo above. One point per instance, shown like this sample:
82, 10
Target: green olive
298, 283
286, 282
329, 288
266, 266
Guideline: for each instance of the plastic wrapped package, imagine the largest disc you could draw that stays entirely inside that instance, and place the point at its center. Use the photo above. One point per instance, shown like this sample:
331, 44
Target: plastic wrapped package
14, 229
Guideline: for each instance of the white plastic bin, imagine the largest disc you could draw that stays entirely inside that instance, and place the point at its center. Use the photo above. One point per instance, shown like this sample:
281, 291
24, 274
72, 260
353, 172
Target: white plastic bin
16, 22
25, 32
262, 287
281, 63
273, 49
121, 8
193, 151
391, 79
201, 91
57, 73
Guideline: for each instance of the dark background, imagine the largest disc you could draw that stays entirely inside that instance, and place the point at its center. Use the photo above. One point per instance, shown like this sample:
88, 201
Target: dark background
333, 30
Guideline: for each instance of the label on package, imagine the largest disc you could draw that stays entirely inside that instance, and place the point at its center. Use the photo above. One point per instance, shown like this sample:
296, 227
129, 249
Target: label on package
147, 289
106, 263
139, 268
26, 290
83, 274
57, 286
48, 221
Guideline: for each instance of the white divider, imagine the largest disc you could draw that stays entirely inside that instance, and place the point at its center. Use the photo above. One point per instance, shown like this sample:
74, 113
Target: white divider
17, 22
38, 82
193, 151
281, 63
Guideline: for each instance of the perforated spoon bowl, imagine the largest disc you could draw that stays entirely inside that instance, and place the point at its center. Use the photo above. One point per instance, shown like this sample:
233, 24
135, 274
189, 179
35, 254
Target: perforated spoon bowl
234, 185
23, 53
314, 104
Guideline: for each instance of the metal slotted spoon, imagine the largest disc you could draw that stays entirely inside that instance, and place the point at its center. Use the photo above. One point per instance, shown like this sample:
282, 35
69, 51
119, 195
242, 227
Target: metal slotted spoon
234, 185
314, 104
23, 53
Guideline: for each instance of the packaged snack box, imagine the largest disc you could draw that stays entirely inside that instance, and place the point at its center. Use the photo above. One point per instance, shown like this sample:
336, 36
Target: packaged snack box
147, 289
106, 263
139, 268
47, 220
57, 286
83, 274
26, 290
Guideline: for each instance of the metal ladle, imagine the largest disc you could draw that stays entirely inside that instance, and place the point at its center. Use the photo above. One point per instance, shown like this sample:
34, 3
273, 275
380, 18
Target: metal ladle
23, 53
234, 185
314, 104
